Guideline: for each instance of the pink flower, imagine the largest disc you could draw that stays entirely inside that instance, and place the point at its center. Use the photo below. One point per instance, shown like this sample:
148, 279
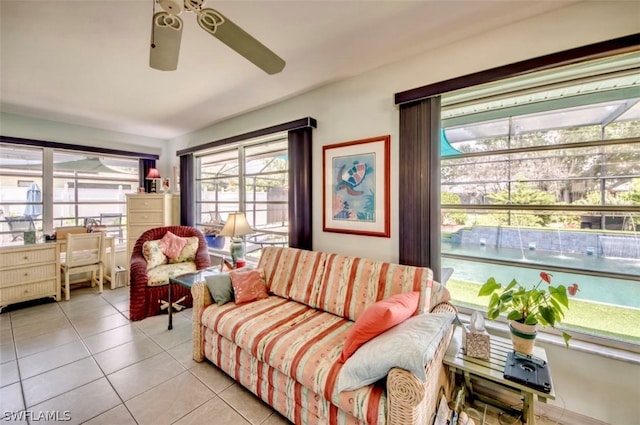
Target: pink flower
546, 277
573, 289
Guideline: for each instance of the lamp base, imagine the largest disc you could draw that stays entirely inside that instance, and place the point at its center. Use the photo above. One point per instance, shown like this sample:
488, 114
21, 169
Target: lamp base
237, 250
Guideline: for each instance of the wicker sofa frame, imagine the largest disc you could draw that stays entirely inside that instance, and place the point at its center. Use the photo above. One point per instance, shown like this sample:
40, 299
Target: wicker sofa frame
144, 299
409, 400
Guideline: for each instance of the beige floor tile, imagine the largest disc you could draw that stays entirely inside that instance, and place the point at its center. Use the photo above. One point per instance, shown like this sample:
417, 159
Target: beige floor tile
27, 347
58, 381
5, 322
87, 325
184, 354
97, 308
245, 403
277, 419
112, 338
153, 324
119, 415
182, 332
11, 401
45, 326
9, 373
82, 403
214, 408
6, 336
144, 375
36, 314
51, 359
127, 354
7, 352
211, 376
169, 401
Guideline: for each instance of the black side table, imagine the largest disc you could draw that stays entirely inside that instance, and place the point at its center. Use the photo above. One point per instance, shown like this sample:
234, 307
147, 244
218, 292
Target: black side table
187, 280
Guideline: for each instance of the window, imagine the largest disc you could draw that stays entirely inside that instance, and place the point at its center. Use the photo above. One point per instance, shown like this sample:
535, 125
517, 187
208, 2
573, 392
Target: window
85, 188
549, 180
251, 177
89, 188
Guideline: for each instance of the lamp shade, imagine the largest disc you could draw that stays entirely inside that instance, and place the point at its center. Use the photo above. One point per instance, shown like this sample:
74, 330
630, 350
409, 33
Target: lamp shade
236, 226
153, 174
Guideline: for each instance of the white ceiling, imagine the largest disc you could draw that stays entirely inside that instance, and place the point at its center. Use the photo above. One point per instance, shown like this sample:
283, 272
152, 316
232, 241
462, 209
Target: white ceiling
85, 62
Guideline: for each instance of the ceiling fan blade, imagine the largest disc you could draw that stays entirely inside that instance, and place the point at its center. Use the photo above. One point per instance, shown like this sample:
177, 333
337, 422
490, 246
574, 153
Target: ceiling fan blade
166, 33
239, 40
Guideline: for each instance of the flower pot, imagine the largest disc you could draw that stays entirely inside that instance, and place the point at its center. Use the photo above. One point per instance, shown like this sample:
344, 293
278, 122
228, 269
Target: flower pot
214, 241
523, 337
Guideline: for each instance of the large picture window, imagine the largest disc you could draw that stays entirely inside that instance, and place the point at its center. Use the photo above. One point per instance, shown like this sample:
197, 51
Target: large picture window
249, 177
85, 188
548, 181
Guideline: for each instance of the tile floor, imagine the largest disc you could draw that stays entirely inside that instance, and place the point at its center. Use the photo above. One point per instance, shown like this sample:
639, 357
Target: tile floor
83, 360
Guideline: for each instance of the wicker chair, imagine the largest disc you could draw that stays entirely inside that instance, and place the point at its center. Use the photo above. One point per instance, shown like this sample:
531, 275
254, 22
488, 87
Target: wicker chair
145, 300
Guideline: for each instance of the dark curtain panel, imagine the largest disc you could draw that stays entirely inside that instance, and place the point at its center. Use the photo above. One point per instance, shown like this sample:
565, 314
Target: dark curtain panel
300, 235
143, 169
419, 184
187, 190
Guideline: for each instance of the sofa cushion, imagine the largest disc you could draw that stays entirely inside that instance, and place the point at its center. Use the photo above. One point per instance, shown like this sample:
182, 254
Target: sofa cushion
189, 251
293, 273
410, 346
296, 340
248, 285
378, 318
366, 405
160, 275
172, 245
220, 287
153, 254
350, 284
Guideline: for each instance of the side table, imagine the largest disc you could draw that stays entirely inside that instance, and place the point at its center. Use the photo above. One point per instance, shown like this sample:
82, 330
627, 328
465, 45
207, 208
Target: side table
492, 370
187, 280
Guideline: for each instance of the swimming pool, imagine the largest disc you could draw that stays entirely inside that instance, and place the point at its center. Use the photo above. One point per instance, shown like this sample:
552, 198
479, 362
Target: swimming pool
622, 292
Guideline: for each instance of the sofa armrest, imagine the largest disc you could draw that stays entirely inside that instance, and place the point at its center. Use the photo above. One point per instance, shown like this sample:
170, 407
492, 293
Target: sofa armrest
445, 307
411, 401
201, 299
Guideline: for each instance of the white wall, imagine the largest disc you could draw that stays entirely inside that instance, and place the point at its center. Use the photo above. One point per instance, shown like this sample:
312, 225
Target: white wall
12, 125
363, 107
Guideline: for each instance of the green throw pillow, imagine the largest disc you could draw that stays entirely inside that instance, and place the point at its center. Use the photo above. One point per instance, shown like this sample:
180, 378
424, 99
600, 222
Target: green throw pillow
220, 287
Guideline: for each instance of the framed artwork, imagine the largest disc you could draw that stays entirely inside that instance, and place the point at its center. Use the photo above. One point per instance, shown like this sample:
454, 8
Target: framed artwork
355, 187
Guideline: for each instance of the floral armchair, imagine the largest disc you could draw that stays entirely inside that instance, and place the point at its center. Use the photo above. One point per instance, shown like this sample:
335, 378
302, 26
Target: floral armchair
150, 272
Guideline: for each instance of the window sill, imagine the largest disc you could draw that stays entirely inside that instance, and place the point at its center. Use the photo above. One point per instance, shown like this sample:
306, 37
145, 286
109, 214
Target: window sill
502, 329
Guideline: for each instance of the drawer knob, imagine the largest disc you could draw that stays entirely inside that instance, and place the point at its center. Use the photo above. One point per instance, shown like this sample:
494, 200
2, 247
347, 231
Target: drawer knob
26, 274
25, 257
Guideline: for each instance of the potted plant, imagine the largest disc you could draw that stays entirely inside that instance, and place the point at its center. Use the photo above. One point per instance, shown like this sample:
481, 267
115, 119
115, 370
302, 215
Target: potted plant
212, 235
526, 307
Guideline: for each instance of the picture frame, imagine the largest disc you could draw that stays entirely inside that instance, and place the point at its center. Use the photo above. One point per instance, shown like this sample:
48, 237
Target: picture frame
355, 187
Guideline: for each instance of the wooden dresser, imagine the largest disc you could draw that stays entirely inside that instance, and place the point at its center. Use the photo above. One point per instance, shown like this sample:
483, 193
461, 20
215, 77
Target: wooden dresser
148, 210
29, 272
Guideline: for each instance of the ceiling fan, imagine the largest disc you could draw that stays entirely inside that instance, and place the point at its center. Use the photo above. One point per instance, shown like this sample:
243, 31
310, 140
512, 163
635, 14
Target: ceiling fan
166, 33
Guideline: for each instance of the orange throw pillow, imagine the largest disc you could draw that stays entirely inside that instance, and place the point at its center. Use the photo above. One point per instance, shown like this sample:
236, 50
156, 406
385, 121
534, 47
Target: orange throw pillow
248, 285
172, 245
376, 319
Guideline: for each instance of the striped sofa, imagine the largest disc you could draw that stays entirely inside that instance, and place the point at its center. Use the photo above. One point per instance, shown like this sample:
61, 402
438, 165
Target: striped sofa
285, 348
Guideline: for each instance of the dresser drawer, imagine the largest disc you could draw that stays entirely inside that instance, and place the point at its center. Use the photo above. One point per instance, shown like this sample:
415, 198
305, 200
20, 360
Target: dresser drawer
146, 203
28, 256
146, 218
28, 291
16, 276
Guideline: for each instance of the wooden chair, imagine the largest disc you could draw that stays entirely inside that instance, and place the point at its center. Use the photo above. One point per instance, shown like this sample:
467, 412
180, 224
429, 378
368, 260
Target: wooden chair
84, 254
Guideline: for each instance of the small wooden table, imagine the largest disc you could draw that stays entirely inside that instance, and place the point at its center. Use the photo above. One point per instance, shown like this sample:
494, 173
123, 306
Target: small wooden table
492, 370
188, 280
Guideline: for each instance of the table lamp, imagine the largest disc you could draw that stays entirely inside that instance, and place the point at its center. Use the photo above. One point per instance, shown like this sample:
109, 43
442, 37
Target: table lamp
236, 227
152, 175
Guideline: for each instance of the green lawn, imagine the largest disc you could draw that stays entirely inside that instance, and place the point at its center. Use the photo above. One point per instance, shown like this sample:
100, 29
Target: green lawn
592, 318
